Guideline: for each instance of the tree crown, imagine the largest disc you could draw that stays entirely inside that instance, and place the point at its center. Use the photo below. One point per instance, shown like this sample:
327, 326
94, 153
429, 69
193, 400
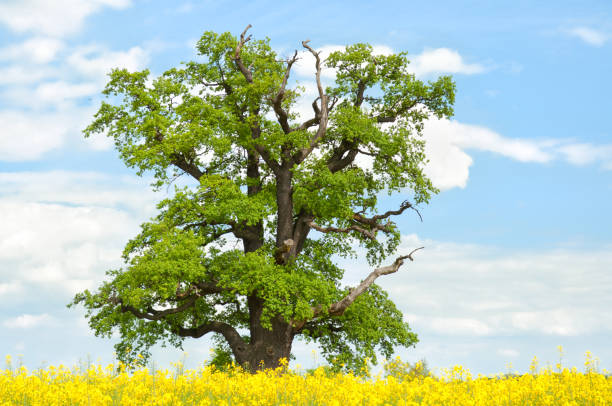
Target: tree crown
296, 192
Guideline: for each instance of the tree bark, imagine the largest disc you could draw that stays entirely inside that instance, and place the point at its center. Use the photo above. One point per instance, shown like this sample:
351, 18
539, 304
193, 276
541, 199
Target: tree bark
266, 347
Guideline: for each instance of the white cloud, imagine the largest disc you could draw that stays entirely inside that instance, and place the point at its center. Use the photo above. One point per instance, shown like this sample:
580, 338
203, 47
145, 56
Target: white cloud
62, 247
26, 137
589, 35
563, 321
448, 165
442, 60
78, 188
449, 141
60, 91
96, 62
24, 74
54, 18
10, 288
63, 229
50, 97
26, 321
39, 50
476, 290
583, 154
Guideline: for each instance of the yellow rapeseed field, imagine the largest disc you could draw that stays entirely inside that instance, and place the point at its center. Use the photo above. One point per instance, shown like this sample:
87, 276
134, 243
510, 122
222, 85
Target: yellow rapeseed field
113, 385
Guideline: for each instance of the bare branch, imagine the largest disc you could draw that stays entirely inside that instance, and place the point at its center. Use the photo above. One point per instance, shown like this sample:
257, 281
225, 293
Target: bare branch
371, 234
277, 102
374, 220
338, 308
238, 60
322, 117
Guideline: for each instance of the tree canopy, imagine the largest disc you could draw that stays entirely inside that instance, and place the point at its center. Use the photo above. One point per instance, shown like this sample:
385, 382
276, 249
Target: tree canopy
297, 193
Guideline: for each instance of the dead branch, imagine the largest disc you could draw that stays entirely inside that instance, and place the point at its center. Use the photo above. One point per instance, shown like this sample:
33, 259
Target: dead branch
371, 234
238, 60
277, 102
338, 308
321, 118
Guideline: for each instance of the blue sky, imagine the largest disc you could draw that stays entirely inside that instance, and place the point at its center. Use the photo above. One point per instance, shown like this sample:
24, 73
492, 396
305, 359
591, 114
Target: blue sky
518, 256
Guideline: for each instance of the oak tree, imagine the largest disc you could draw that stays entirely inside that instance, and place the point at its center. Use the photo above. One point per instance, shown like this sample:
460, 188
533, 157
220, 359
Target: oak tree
296, 193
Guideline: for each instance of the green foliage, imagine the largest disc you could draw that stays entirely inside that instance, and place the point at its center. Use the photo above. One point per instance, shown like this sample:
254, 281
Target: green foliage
372, 323
405, 371
207, 120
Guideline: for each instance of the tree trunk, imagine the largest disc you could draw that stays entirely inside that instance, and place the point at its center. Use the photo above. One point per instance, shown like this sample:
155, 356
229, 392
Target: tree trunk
266, 347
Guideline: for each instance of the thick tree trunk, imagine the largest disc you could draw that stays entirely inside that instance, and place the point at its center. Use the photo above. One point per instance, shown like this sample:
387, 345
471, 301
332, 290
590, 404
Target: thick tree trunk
266, 347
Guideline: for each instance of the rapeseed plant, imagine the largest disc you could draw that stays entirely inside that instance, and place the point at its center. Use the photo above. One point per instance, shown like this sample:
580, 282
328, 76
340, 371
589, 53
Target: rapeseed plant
402, 384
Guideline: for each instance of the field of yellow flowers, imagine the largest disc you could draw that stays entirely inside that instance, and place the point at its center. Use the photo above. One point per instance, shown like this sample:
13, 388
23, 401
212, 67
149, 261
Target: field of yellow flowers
112, 385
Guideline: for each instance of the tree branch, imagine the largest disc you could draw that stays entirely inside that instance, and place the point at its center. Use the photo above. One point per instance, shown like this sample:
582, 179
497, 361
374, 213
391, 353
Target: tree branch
152, 314
361, 86
181, 162
338, 308
256, 130
238, 60
391, 117
179, 159
321, 117
277, 102
230, 334
371, 234
373, 221
343, 156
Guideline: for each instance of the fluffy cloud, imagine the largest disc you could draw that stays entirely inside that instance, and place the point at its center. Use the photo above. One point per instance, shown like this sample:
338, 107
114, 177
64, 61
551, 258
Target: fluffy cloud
96, 62
27, 137
442, 60
90, 189
44, 243
48, 100
23, 74
583, 154
55, 18
448, 143
10, 288
39, 50
472, 290
26, 321
589, 35
61, 230
438, 60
